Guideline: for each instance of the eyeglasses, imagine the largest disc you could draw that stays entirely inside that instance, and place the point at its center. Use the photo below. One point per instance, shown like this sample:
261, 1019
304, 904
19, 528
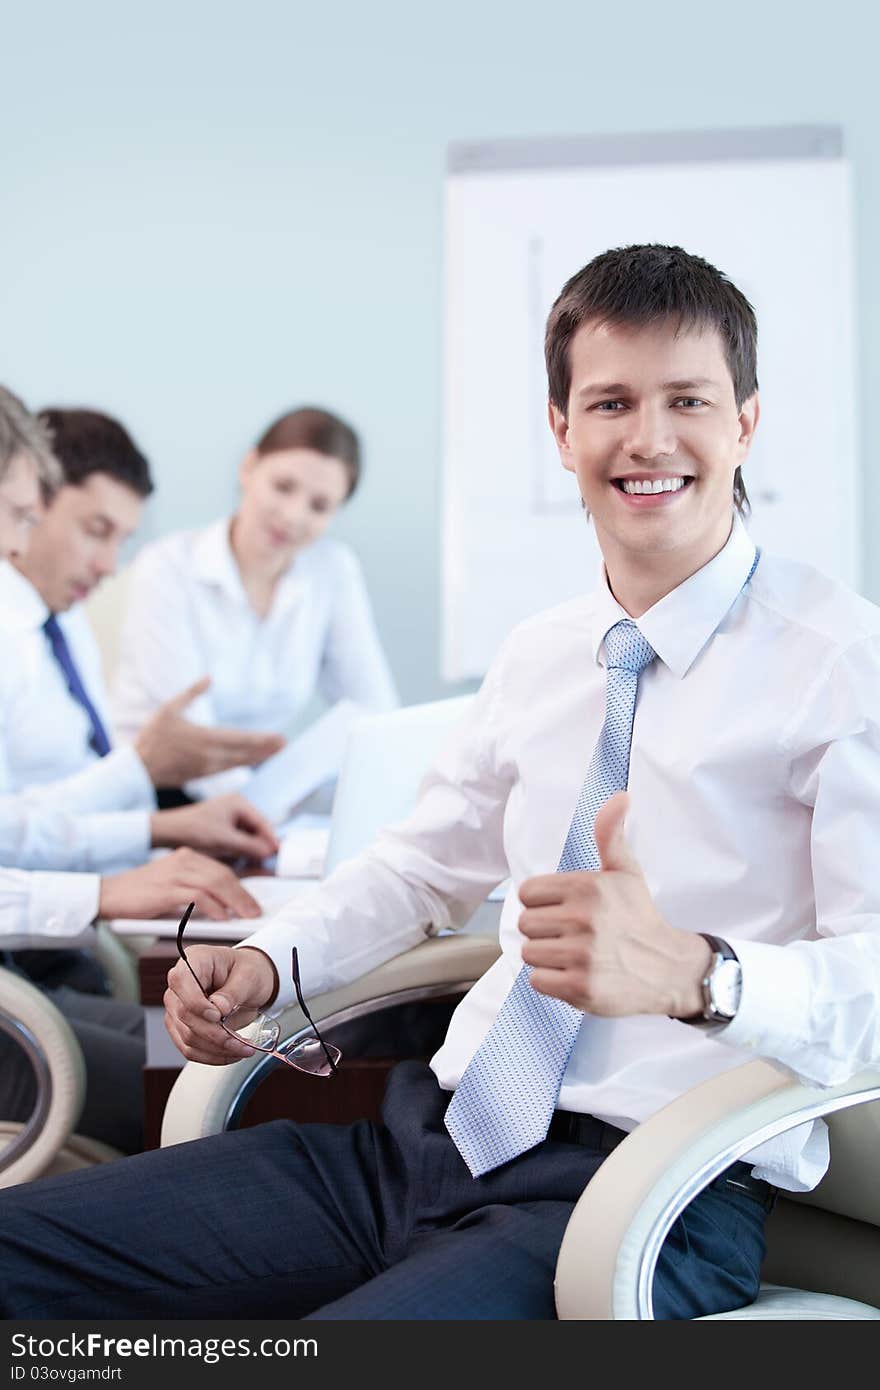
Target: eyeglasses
21, 517
258, 1030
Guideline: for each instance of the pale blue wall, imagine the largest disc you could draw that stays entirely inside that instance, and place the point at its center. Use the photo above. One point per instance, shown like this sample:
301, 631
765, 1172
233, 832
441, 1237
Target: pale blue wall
212, 212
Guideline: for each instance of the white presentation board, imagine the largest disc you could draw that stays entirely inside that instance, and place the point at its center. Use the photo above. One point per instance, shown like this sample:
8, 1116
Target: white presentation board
771, 208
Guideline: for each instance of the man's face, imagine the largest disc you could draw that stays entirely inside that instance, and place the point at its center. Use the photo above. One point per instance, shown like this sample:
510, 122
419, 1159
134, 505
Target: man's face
20, 507
649, 407
76, 545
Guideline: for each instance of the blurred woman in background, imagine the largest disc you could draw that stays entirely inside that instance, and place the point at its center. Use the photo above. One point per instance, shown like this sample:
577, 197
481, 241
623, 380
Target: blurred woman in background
263, 603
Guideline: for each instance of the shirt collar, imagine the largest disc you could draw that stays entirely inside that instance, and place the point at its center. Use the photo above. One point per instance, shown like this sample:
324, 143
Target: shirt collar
681, 623
214, 563
21, 606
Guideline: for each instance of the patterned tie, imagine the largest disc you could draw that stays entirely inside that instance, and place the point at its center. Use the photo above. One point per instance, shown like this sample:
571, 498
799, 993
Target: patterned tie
505, 1100
61, 652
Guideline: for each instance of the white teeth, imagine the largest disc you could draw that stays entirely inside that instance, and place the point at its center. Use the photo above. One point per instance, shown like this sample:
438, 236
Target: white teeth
638, 486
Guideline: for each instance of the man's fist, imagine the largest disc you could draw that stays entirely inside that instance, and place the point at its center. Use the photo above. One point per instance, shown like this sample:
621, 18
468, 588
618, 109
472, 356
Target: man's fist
231, 977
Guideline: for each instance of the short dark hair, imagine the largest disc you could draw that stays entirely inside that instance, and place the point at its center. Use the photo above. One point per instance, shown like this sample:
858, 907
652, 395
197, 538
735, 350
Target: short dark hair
309, 427
86, 442
640, 284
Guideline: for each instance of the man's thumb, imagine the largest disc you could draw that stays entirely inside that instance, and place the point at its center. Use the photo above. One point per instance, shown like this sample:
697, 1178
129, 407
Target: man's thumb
222, 1003
187, 696
608, 832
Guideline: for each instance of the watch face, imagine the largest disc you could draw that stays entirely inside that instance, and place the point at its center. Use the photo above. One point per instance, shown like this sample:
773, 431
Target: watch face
725, 987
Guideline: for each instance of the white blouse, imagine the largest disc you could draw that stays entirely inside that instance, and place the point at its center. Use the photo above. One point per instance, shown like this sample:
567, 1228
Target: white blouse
188, 615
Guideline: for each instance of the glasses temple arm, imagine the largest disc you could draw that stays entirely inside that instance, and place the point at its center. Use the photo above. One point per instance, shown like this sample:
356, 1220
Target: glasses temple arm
294, 970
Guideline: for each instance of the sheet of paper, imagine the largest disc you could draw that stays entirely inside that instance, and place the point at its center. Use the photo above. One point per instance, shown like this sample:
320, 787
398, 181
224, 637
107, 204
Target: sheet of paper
283, 781
303, 847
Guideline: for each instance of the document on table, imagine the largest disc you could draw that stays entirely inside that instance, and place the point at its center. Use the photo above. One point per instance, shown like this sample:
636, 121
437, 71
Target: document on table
311, 760
303, 845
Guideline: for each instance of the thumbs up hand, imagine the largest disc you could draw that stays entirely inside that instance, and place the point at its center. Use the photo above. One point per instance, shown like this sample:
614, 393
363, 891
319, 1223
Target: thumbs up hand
597, 941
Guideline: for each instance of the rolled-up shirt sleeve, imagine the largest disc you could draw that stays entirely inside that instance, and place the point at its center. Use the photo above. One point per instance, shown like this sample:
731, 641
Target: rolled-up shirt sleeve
46, 910
814, 1004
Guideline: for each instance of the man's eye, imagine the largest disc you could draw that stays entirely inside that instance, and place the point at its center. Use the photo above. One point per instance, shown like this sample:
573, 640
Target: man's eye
610, 407
690, 401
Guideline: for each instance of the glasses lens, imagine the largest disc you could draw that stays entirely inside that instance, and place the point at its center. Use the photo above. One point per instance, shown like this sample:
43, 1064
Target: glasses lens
309, 1055
253, 1027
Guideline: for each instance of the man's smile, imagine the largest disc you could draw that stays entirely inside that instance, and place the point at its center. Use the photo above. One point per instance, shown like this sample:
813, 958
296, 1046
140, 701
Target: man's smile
642, 491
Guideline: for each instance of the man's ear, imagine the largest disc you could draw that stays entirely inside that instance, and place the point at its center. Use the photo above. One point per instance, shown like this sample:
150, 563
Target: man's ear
559, 426
247, 465
749, 414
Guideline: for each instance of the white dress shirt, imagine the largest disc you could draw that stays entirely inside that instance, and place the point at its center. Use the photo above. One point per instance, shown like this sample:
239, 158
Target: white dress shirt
61, 806
42, 911
755, 814
188, 615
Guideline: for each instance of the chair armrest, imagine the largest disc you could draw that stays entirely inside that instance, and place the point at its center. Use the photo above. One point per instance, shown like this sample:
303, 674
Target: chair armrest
203, 1097
612, 1242
118, 963
34, 1023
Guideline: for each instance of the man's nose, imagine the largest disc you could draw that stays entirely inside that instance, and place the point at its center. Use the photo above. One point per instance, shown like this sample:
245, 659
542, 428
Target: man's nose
651, 434
107, 560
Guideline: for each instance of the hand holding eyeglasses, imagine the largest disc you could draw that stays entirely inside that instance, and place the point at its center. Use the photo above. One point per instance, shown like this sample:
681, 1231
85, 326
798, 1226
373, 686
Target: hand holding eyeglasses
217, 992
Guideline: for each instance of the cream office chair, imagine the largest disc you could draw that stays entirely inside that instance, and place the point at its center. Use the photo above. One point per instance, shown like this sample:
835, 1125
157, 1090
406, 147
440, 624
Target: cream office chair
46, 1144
106, 609
823, 1249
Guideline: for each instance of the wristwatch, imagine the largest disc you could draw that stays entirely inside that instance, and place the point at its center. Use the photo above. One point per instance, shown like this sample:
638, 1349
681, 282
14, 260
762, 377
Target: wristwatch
721, 985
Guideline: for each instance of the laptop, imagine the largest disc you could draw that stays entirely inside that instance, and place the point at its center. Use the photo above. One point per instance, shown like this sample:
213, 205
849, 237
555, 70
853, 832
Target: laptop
386, 757
384, 761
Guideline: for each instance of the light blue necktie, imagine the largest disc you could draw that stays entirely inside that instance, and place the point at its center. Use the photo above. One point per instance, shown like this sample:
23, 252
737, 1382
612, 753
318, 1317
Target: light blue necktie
505, 1100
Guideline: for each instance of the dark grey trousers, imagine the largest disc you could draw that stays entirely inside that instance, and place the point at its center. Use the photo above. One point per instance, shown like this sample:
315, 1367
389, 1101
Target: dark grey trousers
364, 1221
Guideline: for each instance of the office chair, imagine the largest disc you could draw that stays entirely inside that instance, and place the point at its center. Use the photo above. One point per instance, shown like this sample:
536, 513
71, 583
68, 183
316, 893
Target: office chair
823, 1248
45, 1144
105, 609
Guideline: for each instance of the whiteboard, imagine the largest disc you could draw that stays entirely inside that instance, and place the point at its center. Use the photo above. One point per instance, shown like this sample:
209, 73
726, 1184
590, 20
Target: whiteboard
769, 208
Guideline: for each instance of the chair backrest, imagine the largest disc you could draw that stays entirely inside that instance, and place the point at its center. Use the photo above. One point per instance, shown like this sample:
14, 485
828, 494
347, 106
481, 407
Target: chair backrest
850, 1187
828, 1240
106, 610
386, 758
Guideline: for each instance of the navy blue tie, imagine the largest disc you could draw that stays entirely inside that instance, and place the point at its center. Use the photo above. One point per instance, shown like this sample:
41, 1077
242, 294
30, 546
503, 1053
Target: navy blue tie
58, 642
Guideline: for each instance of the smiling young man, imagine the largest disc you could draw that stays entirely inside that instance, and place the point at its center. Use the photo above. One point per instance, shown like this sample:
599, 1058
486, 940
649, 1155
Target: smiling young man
727, 701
